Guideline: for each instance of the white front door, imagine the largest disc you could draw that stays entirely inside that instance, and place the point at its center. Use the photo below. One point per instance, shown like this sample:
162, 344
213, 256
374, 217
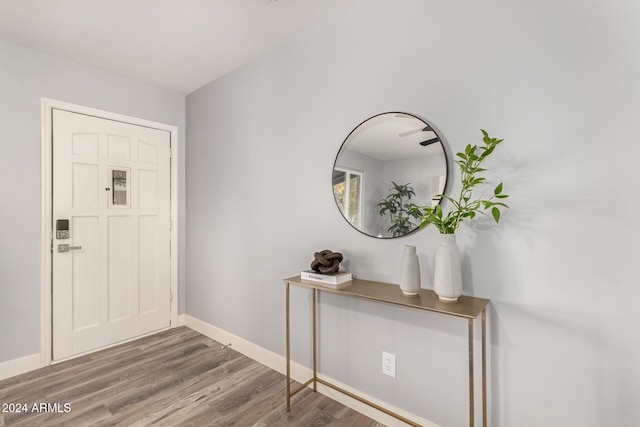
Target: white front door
111, 232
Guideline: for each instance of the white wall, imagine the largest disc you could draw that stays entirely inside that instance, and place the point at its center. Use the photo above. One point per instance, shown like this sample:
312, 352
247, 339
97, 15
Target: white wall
25, 77
559, 81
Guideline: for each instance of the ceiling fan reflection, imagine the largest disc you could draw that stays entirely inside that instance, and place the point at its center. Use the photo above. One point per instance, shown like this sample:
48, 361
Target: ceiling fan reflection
429, 141
415, 131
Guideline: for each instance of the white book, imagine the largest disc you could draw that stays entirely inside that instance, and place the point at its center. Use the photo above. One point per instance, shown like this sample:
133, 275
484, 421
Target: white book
337, 278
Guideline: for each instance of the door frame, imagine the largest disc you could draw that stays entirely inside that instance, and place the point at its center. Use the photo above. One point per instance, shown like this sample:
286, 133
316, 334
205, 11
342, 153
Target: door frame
46, 233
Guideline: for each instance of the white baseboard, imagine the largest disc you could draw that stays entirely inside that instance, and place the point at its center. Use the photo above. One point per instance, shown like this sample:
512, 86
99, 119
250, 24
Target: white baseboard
253, 351
302, 373
14, 367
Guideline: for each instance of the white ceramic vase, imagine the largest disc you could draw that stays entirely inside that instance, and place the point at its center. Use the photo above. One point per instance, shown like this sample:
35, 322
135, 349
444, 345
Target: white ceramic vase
447, 277
410, 271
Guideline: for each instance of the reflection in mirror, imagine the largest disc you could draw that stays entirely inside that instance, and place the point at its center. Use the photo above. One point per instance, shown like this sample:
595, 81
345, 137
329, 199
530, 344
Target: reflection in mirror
347, 186
386, 163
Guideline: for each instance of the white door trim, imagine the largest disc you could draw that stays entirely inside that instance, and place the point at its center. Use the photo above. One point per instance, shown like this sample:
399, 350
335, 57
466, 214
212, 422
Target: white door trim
46, 232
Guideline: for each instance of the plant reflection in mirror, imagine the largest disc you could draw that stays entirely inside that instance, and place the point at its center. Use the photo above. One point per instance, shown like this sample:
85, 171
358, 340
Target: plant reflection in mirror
402, 213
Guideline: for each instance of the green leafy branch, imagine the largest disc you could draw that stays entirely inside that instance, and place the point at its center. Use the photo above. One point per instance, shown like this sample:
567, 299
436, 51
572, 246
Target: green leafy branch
466, 206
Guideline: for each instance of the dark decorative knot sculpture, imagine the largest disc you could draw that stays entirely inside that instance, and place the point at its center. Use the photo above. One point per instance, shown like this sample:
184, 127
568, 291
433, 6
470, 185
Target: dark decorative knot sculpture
326, 261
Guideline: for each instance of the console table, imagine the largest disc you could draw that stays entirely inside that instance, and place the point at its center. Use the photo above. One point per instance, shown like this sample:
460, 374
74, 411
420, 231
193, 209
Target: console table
466, 307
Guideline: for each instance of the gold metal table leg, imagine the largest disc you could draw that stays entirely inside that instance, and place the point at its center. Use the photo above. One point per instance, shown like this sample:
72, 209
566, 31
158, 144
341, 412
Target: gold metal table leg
484, 368
288, 332
315, 340
471, 400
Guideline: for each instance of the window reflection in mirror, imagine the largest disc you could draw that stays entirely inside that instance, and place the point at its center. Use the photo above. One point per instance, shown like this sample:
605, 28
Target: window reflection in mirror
347, 190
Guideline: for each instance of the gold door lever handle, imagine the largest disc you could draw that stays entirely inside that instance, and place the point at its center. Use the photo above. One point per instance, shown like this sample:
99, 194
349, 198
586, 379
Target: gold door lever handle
66, 248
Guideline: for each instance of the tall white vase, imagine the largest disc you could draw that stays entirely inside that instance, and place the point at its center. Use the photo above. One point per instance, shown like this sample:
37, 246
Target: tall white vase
447, 280
410, 271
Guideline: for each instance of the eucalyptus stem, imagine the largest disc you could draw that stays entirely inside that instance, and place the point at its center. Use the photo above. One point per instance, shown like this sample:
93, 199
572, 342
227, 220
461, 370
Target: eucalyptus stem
464, 207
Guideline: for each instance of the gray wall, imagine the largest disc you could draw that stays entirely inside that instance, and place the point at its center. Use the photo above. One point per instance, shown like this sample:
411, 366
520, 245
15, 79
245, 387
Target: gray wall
25, 77
558, 80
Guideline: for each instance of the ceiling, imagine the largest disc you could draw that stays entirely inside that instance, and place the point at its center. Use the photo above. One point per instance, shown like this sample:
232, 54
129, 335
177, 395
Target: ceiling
392, 136
180, 45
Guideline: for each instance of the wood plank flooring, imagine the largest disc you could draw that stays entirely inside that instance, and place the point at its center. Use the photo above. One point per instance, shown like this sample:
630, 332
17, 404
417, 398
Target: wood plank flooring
174, 378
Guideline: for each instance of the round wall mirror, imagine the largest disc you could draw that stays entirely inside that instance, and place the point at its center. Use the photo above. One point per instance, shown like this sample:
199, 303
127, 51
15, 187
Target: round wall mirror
388, 162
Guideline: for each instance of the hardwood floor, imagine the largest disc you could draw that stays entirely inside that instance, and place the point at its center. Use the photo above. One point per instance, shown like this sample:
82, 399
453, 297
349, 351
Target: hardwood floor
174, 378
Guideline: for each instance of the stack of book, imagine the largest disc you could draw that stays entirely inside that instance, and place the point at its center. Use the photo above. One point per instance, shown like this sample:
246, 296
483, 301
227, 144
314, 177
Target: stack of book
336, 280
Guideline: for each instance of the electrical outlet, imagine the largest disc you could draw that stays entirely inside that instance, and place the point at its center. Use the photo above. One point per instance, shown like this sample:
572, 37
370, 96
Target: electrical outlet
389, 364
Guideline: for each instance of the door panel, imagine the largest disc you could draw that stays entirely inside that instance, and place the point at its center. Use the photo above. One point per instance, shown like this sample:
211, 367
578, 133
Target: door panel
85, 265
119, 297
111, 180
84, 185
